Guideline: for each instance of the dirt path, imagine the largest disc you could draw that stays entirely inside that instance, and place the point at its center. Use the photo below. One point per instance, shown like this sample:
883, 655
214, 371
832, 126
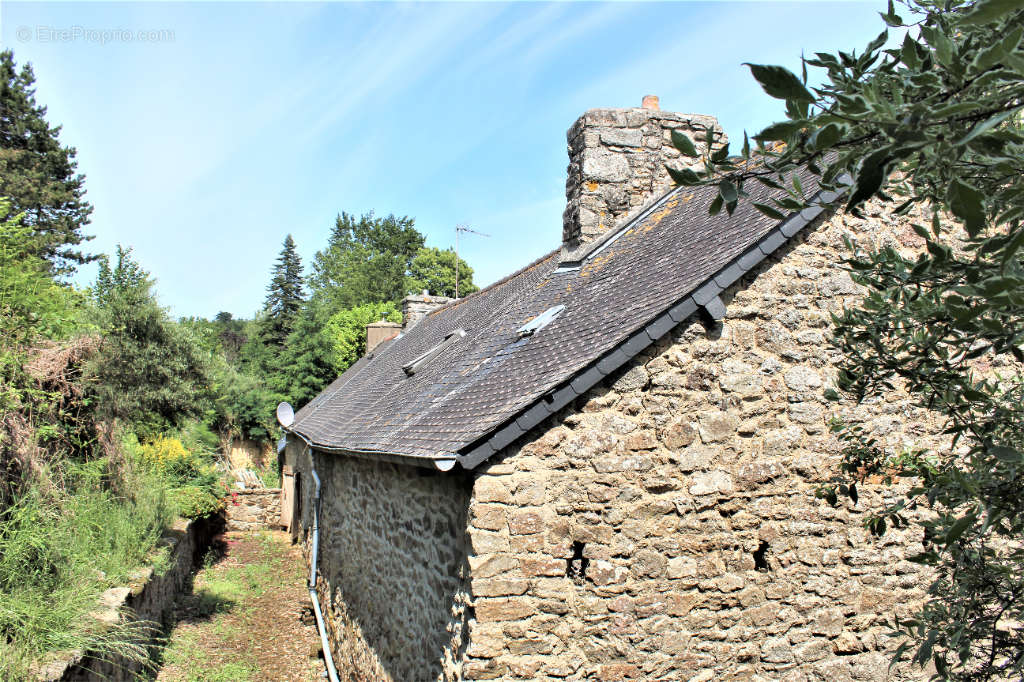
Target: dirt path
248, 617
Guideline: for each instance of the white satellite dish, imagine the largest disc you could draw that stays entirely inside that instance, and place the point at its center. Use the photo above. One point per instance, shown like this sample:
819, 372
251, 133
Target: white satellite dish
285, 414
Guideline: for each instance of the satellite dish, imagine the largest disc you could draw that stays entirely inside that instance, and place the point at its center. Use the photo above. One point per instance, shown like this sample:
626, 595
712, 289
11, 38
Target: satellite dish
285, 414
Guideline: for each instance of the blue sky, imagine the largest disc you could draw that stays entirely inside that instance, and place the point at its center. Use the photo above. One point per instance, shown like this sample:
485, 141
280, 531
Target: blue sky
238, 123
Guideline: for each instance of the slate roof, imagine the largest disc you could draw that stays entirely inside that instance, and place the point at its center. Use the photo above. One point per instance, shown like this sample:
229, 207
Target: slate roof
491, 386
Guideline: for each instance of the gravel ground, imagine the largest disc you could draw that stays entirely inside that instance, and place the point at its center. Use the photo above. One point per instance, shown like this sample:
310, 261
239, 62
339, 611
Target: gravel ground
248, 616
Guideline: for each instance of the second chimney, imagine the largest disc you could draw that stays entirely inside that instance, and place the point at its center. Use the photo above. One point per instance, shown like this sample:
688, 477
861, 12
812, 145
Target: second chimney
379, 332
617, 163
415, 308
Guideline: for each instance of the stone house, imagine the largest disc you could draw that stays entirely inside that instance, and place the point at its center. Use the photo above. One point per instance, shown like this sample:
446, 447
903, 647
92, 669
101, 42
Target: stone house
603, 466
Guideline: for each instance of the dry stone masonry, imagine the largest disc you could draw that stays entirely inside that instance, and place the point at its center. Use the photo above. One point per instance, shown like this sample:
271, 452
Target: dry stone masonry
249, 510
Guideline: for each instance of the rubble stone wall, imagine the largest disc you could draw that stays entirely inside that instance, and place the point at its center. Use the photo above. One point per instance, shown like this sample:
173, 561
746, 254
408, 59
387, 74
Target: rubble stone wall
666, 527
393, 577
254, 509
617, 163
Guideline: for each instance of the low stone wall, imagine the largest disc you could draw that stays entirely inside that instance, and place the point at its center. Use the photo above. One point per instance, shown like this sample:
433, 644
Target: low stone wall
254, 509
149, 598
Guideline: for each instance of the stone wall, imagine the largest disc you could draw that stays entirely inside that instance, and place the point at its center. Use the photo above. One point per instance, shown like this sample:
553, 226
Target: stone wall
393, 573
666, 527
254, 509
617, 163
148, 598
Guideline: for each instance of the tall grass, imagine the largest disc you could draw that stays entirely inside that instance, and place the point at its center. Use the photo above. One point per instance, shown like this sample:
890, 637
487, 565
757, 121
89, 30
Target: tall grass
61, 549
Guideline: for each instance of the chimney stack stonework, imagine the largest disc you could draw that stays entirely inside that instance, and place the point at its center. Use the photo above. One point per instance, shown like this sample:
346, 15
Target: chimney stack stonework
417, 306
617, 163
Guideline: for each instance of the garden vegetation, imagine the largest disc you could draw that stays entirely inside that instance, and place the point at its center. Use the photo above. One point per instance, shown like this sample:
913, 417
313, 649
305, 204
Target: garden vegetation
114, 417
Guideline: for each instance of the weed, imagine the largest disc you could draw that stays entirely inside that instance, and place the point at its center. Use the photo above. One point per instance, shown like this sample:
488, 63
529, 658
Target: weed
59, 551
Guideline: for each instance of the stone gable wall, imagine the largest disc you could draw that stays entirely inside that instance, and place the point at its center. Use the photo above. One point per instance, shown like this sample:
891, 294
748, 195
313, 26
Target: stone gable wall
666, 528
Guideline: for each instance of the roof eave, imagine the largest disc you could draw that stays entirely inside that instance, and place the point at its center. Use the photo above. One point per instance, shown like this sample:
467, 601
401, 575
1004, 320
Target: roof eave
441, 461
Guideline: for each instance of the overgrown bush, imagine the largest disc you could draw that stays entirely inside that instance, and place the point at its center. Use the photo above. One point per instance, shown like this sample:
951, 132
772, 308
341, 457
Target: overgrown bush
190, 476
269, 475
198, 502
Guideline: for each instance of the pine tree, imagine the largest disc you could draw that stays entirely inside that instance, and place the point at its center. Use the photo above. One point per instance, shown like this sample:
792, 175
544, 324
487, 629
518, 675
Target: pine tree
307, 362
284, 297
37, 174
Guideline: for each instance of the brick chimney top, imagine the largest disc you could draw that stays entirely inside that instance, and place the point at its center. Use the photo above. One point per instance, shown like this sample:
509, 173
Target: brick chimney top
379, 332
651, 102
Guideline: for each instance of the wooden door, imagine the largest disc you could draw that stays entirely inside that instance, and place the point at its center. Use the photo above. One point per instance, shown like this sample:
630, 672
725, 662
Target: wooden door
287, 497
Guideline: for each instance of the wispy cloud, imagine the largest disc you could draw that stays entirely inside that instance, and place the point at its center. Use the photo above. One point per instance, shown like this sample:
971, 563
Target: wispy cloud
261, 119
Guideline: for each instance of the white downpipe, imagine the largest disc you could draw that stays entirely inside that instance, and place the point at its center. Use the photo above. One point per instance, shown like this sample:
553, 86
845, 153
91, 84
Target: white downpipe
332, 672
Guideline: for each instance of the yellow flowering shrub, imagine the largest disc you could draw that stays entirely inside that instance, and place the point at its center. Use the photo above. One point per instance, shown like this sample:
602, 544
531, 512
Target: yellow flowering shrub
165, 454
193, 482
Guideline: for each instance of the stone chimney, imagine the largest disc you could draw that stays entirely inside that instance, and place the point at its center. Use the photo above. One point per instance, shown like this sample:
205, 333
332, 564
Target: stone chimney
379, 332
415, 308
617, 163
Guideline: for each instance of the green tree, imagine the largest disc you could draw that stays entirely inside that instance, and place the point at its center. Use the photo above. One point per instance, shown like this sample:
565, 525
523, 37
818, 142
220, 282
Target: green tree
151, 372
231, 333
366, 261
434, 270
38, 174
284, 297
345, 331
126, 276
32, 304
307, 363
929, 125
242, 404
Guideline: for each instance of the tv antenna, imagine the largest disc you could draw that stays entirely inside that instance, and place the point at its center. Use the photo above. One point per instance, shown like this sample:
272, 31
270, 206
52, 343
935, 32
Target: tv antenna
461, 228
